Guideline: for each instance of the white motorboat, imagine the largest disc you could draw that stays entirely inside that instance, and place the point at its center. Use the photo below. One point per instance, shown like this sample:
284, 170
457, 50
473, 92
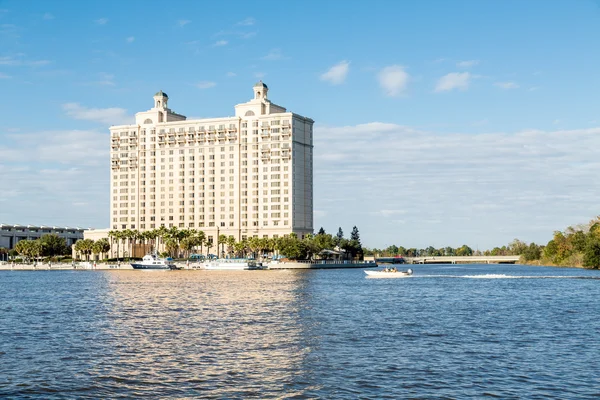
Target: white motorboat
389, 273
151, 261
232, 264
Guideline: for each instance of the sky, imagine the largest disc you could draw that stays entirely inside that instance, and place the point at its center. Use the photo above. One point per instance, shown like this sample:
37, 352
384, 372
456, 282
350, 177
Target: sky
437, 123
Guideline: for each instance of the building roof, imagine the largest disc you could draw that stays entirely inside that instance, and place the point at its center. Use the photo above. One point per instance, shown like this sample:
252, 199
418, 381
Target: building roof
260, 84
161, 93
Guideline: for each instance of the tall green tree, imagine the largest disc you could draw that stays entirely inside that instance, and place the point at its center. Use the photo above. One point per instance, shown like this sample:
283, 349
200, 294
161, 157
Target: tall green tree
591, 255
53, 245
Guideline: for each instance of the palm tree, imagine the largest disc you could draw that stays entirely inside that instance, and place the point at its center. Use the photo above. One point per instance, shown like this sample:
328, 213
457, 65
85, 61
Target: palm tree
230, 244
171, 245
85, 247
240, 248
201, 239
104, 245
187, 244
112, 235
152, 235
160, 235
222, 242
254, 245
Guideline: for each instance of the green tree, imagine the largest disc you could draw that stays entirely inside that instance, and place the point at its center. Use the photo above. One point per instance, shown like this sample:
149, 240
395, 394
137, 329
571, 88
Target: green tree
532, 252
85, 247
187, 244
339, 237
53, 245
230, 245
222, 243
591, 255
464, 250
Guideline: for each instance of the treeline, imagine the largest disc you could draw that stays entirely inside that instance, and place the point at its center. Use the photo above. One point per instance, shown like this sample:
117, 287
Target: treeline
577, 246
49, 245
176, 242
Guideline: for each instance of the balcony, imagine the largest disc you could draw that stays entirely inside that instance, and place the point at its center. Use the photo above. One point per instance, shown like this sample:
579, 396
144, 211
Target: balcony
181, 138
115, 139
232, 136
201, 137
221, 129
232, 128
264, 133
285, 132
191, 137
285, 155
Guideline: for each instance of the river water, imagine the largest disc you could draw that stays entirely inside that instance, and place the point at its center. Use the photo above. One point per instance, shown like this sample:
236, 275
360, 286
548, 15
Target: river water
449, 332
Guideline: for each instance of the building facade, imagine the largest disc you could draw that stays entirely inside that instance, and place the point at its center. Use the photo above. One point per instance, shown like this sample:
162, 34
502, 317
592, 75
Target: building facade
10, 235
250, 175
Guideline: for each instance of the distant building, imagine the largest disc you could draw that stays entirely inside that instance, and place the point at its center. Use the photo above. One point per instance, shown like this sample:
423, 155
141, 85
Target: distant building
241, 176
10, 235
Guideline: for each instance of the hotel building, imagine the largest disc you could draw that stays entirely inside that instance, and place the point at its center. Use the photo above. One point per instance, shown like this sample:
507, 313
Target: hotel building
250, 175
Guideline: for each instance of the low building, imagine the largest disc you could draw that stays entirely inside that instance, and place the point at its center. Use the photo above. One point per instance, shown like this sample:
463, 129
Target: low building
10, 235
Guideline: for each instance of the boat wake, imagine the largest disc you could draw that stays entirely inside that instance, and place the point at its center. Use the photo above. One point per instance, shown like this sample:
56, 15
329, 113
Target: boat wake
504, 276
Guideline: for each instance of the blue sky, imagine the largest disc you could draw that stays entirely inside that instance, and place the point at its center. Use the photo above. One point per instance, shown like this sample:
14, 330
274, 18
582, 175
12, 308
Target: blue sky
436, 122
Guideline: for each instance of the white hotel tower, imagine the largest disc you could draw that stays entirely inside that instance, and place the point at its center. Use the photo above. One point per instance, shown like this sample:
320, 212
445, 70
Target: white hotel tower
243, 176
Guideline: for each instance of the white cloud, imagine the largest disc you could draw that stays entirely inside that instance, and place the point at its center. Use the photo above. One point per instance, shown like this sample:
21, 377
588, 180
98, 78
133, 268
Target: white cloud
247, 22
47, 172
337, 74
101, 21
467, 64
205, 84
260, 75
48, 16
393, 80
4, 76
219, 43
183, 22
274, 55
18, 60
453, 80
507, 85
130, 39
106, 116
104, 79
468, 182
231, 74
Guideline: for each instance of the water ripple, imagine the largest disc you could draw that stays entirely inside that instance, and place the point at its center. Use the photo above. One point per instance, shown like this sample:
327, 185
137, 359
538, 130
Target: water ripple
300, 334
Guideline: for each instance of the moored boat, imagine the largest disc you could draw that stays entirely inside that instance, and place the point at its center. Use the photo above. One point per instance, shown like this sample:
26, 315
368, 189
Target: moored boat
389, 273
151, 261
232, 264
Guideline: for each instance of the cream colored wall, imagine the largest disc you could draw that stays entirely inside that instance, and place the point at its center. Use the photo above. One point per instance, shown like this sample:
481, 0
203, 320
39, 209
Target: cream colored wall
239, 151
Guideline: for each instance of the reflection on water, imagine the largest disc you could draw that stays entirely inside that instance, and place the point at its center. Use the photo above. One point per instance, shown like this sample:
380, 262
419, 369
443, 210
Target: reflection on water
303, 334
210, 333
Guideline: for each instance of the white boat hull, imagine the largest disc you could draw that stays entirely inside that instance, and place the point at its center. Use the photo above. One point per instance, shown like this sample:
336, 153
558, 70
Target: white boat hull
230, 265
388, 274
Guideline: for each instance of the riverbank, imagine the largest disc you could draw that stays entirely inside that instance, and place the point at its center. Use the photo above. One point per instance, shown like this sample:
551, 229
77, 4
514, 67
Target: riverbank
545, 263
